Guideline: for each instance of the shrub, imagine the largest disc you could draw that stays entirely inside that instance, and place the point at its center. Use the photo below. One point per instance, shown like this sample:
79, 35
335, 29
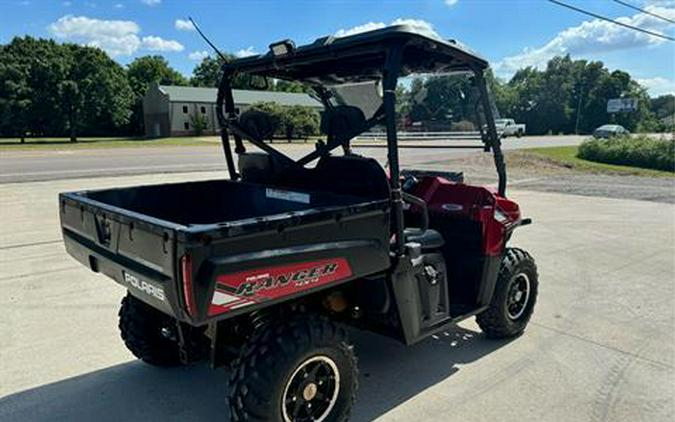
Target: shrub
291, 121
199, 123
639, 151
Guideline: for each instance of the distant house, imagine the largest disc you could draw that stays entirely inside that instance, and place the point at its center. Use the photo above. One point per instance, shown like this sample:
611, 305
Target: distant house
167, 109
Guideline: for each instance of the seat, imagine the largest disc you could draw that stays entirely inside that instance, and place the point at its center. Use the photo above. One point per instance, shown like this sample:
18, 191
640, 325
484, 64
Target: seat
342, 123
256, 167
352, 175
258, 124
429, 239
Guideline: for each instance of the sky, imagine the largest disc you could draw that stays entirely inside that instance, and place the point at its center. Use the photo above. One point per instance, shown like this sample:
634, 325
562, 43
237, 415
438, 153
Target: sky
510, 33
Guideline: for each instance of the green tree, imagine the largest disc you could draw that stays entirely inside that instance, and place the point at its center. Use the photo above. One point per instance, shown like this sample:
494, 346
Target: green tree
208, 74
104, 89
50, 89
15, 96
72, 101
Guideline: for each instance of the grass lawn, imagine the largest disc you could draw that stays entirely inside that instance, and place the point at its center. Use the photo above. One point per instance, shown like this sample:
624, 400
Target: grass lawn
54, 144
567, 156
11, 144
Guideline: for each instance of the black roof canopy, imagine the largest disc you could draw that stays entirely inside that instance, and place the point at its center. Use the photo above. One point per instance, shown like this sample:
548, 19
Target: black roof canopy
362, 57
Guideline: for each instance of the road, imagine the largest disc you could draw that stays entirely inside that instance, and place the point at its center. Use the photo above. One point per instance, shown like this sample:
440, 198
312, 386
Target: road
600, 346
37, 165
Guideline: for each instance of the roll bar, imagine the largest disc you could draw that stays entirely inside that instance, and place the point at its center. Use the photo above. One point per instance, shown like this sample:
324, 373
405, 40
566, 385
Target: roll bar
227, 119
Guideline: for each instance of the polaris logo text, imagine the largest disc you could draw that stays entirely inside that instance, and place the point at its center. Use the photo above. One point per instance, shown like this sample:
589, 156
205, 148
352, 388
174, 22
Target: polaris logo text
144, 286
299, 278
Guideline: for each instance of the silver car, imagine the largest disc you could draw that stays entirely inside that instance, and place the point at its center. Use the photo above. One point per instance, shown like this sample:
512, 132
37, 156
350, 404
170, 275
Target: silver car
610, 131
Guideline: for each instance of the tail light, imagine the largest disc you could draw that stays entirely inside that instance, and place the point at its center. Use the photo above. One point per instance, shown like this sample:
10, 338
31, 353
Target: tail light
188, 292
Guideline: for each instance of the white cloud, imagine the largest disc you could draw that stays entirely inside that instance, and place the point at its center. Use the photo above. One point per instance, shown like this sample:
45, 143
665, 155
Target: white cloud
198, 56
418, 24
370, 26
118, 6
151, 2
116, 37
184, 25
250, 51
154, 43
658, 85
451, 2
591, 37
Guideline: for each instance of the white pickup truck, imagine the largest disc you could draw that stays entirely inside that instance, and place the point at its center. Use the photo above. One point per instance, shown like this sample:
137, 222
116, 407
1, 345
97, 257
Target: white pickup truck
509, 127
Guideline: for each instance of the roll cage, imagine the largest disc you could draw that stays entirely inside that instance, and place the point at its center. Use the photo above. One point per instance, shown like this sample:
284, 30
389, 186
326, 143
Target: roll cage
383, 55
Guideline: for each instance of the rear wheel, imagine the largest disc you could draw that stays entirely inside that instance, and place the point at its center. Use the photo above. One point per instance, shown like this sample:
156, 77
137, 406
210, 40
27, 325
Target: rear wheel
294, 371
514, 297
148, 333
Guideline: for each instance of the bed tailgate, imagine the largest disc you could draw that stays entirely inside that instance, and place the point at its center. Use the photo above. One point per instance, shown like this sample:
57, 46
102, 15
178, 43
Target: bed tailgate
135, 250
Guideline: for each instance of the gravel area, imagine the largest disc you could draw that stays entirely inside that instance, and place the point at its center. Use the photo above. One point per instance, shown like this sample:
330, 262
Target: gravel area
526, 171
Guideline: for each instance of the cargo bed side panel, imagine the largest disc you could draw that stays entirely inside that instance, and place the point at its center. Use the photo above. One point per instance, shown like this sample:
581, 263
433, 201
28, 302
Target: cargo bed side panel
237, 275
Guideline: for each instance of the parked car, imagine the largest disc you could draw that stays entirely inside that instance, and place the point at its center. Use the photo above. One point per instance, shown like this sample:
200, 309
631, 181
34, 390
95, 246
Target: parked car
609, 131
509, 127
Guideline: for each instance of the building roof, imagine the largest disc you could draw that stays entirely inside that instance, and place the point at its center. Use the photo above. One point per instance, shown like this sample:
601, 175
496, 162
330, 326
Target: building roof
241, 96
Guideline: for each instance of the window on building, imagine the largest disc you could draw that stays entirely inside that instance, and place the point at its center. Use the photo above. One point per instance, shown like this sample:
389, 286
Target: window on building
203, 109
185, 110
186, 125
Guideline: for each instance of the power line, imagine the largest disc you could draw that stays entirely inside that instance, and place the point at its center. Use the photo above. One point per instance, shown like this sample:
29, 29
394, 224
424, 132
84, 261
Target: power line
625, 25
647, 12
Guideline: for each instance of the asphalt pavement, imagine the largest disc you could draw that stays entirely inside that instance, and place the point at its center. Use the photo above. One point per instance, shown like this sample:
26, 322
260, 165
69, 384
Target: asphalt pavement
37, 165
600, 346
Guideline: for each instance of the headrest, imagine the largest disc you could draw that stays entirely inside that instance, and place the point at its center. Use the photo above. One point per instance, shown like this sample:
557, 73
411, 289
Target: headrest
258, 124
343, 122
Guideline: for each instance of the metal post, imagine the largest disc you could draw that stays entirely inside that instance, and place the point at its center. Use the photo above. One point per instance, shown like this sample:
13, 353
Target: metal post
495, 142
224, 97
390, 78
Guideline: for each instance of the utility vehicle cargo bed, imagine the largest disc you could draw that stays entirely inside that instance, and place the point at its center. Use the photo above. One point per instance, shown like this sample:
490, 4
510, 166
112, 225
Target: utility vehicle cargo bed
171, 244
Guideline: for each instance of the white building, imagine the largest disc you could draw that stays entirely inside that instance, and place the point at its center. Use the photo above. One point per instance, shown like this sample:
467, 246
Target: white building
167, 109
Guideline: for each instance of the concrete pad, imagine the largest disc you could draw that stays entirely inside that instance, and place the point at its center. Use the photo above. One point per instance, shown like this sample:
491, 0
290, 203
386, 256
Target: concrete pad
600, 347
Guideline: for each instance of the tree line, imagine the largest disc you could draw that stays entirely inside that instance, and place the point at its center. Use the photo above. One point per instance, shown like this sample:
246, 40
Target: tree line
53, 89
568, 96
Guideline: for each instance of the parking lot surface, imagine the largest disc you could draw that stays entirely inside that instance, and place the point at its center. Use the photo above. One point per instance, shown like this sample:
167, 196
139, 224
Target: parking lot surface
600, 347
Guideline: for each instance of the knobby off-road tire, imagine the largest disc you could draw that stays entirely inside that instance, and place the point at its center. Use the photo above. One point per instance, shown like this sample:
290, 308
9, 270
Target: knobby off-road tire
514, 297
296, 370
147, 333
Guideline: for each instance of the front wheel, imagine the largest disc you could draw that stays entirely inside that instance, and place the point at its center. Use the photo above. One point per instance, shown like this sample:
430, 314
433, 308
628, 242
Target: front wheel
294, 371
514, 296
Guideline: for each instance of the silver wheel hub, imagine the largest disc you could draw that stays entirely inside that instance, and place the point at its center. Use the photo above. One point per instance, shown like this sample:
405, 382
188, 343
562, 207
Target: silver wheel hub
311, 391
518, 296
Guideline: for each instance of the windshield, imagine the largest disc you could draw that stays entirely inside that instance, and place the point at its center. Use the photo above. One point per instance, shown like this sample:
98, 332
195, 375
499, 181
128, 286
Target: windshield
448, 104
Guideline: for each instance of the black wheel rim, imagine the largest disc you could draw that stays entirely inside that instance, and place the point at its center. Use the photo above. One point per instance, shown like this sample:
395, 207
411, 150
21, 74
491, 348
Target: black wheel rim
311, 391
518, 296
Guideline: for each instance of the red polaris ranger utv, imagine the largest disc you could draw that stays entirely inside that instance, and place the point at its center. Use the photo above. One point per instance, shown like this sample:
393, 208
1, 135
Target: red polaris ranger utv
262, 271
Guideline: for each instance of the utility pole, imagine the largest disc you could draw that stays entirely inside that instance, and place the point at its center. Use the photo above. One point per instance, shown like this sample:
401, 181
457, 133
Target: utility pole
576, 125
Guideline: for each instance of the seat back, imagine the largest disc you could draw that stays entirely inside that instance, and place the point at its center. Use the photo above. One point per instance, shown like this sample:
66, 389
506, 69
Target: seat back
343, 122
353, 175
256, 167
258, 124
